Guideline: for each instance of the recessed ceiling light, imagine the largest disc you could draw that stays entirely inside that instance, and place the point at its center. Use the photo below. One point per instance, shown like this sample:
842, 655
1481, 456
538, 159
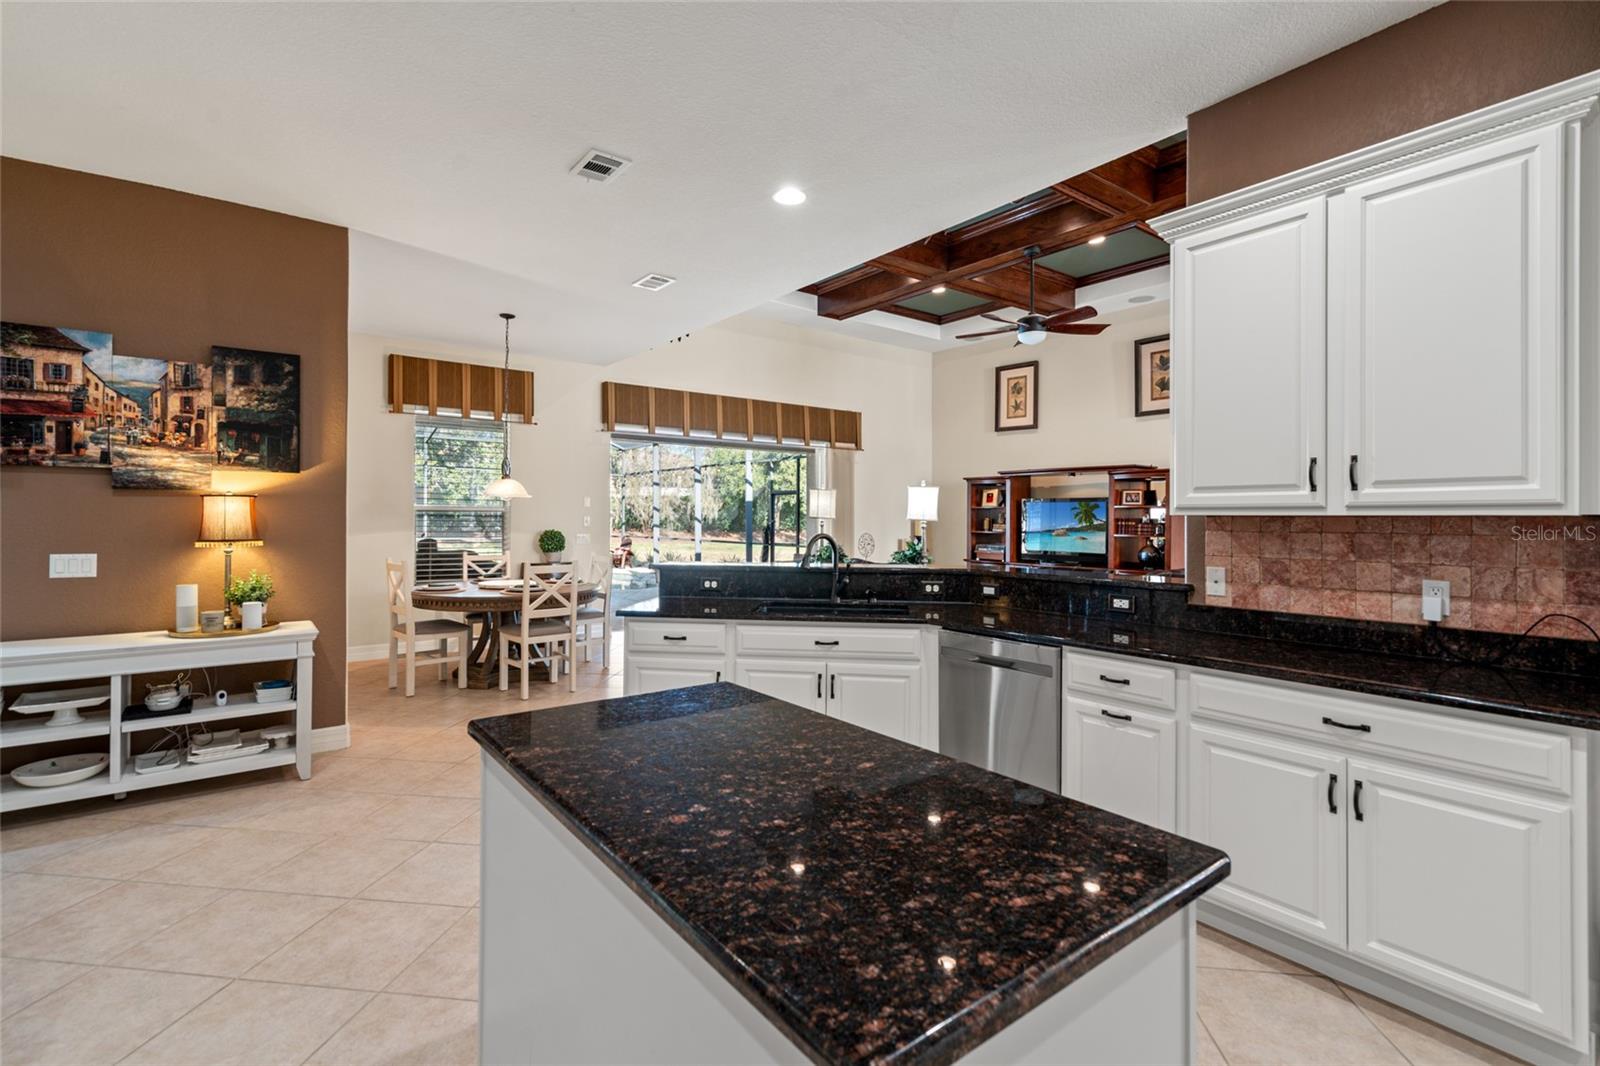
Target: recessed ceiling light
938, 289
1099, 238
790, 196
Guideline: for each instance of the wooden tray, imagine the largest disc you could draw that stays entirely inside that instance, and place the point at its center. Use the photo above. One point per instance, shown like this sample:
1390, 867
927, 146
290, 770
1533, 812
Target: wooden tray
200, 634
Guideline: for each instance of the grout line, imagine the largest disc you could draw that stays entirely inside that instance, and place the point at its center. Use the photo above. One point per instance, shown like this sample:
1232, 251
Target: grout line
1210, 1035
226, 982
1348, 998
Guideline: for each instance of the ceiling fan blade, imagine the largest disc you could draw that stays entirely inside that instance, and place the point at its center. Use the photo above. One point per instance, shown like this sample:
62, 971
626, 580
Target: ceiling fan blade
997, 318
1084, 331
1077, 314
985, 333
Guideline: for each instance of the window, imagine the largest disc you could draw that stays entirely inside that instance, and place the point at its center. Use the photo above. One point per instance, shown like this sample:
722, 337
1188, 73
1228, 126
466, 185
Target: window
453, 460
18, 373
57, 372
690, 502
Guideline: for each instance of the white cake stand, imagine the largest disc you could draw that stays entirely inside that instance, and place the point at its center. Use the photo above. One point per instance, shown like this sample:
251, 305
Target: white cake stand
62, 705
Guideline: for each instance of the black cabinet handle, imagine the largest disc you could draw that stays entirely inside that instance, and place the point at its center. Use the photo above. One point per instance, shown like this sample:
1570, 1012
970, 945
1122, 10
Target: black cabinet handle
1115, 680
1118, 717
826, 643
1333, 804
719, 676
666, 637
1355, 803
819, 686
1359, 727
1311, 473
1353, 486
831, 679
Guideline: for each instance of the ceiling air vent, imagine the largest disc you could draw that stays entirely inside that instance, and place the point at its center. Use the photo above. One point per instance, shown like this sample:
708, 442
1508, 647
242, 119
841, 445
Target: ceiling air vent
653, 282
599, 166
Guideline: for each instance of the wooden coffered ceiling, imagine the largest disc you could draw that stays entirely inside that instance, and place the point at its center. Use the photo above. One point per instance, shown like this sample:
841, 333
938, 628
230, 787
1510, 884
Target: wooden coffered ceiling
982, 263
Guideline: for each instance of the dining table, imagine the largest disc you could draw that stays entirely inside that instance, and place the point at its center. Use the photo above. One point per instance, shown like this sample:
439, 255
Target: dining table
497, 606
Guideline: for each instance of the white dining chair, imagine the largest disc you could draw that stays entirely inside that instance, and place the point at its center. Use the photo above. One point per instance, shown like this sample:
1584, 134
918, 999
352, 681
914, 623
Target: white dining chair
549, 620
478, 567
406, 630
597, 611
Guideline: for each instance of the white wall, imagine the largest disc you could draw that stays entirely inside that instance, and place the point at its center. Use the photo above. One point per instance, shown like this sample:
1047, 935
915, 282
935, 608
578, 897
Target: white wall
564, 458
1085, 413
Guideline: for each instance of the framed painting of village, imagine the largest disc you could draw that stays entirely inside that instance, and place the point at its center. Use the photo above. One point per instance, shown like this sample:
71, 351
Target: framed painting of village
176, 448
60, 403
258, 394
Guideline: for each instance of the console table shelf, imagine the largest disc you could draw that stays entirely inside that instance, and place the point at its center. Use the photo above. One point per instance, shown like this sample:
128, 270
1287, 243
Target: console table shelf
114, 660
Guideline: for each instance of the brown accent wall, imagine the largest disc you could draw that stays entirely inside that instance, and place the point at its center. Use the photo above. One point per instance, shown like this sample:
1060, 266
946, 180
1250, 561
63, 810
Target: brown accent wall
1445, 62
169, 275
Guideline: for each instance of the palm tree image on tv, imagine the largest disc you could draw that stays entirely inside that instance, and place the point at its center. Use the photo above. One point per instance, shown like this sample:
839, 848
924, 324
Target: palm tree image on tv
1064, 527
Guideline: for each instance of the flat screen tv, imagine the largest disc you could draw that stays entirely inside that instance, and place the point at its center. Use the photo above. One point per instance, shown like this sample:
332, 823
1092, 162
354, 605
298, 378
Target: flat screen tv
1065, 531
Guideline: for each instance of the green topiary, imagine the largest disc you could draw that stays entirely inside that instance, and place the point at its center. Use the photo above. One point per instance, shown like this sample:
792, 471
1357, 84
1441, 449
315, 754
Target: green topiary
552, 541
257, 588
913, 554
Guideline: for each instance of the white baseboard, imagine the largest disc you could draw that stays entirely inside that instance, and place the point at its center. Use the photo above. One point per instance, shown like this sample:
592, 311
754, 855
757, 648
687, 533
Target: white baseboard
330, 738
366, 653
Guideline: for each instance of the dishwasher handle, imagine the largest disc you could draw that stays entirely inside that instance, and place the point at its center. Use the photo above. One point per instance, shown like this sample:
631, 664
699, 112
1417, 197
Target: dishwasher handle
1007, 664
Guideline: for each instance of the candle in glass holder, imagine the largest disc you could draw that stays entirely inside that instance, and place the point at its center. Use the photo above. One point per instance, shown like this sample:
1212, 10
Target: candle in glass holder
188, 608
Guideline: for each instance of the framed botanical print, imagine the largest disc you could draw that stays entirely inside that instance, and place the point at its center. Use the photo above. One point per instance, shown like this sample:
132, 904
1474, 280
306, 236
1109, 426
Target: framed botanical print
1016, 396
1152, 376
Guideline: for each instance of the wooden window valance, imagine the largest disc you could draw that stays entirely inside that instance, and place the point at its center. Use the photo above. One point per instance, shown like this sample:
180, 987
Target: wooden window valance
439, 385
678, 413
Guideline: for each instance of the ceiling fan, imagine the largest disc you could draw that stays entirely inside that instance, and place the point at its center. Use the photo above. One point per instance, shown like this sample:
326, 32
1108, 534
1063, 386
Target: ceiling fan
1033, 327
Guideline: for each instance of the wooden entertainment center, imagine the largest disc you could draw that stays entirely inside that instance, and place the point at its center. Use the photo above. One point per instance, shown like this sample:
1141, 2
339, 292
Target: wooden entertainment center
994, 516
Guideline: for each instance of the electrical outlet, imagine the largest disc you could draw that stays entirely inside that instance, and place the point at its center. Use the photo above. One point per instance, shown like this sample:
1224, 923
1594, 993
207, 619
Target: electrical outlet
586, 503
708, 583
587, 520
74, 565
1216, 581
932, 588
1120, 603
1435, 601
583, 538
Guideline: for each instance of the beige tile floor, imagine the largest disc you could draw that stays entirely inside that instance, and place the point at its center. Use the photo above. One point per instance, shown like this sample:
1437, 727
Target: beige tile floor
268, 920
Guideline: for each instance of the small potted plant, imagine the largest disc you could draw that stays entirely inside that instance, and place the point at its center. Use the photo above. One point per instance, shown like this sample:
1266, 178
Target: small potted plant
552, 542
249, 596
913, 554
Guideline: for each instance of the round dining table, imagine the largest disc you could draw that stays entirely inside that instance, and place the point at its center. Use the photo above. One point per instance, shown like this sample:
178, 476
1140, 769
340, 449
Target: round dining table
497, 607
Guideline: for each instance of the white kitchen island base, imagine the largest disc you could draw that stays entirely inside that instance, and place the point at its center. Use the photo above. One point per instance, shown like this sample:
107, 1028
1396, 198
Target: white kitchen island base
576, 968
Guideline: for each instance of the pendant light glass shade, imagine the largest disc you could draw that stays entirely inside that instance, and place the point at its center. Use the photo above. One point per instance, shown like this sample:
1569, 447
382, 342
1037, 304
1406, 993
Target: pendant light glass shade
506, 487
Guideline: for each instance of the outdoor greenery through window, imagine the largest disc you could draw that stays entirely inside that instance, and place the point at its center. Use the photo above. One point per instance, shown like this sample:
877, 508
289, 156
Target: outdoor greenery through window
675, 502
453, 460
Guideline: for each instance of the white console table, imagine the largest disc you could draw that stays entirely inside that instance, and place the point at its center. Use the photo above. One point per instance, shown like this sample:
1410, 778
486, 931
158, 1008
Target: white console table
117, 657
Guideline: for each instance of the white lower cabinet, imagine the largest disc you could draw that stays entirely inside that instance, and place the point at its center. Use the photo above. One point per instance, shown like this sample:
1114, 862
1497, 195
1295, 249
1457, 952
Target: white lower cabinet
797, 681
1278, 810
1121, 758
653, 673
883, 697
1465, 888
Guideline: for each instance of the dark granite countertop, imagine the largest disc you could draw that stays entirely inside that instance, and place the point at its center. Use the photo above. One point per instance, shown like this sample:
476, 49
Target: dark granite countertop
878, 902
1562, 699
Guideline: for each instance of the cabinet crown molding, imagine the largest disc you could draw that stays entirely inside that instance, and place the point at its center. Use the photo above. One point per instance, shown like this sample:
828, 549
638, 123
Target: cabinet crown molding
1572, 100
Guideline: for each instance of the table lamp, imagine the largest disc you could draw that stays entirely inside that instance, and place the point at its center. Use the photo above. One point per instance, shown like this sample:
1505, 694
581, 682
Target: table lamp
922, 505
820, 504
226, 522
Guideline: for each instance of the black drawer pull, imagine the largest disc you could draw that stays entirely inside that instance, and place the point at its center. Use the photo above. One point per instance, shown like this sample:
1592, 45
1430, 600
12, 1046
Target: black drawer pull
1115, 680
719, 677
1118, 717
826, 643
1355, 802
665, 637
1353, 486
1333, 804
1311, 473
819, 686
1360, 727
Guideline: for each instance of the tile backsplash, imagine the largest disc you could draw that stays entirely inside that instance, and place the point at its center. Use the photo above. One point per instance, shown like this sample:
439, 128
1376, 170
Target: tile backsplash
1504, 573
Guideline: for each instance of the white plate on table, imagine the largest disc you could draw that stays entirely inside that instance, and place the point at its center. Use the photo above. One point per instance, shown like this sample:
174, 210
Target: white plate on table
440, 586
501, 584
48, 773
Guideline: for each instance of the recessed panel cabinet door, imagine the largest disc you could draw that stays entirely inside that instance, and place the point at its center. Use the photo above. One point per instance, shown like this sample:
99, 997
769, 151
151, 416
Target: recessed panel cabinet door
883, 697
1278, 810
1445, 296
1249, 347
1464, 888
1122, 758
792, 680
653, 673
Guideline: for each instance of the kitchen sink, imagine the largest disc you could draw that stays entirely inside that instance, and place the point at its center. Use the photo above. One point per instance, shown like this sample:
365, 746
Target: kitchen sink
860, 608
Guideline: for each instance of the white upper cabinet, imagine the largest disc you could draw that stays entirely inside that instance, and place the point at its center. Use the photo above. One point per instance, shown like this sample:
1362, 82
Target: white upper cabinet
1249, 357
1445, 329
1410, 328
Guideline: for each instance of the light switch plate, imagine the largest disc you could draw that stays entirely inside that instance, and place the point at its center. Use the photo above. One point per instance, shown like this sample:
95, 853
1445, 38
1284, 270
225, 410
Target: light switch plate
1216, 581
990, 590
74, 565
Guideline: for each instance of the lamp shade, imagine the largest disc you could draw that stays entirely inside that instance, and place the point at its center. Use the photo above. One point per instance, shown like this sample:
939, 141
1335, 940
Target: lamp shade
922, 503
505, 488
227, 521
820, 503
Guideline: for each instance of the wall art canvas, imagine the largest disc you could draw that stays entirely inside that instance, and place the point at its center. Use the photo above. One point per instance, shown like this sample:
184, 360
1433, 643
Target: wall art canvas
1016, 397
258, 395
58, 404
175, 447
1152, 376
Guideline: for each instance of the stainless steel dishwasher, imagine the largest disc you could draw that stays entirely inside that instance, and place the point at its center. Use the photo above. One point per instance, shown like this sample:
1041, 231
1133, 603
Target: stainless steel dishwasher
1000, 706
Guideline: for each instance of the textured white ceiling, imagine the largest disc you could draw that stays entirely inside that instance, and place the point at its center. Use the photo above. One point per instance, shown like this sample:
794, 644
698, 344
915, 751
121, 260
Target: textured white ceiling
450, 128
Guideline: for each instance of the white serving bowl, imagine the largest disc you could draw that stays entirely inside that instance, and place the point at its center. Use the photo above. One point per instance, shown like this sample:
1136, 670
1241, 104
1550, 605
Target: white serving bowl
47, 773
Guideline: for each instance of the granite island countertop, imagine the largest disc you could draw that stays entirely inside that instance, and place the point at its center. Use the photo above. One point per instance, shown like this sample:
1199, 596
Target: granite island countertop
1560, 699
876, 901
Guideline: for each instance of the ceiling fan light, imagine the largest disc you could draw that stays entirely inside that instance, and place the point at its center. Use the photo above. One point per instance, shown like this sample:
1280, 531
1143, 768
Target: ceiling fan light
1032, 336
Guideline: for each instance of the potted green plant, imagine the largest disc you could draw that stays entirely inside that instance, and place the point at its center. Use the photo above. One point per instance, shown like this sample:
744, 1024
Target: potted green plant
249, 596
913, 554
552, 542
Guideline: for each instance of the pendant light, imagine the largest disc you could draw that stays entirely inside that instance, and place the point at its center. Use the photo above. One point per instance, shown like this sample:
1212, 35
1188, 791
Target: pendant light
506, 487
